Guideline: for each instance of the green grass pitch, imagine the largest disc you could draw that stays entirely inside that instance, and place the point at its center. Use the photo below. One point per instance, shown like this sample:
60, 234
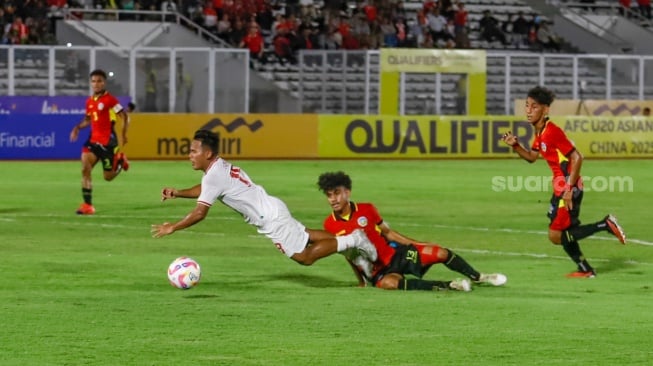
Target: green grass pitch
93, 290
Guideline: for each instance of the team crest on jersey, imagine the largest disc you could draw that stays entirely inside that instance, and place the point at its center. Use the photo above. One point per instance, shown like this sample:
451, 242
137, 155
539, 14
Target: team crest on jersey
543, 147
362, 221
100, 106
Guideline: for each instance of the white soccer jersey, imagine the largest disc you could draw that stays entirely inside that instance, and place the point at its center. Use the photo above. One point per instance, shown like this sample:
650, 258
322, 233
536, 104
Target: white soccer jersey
233, 187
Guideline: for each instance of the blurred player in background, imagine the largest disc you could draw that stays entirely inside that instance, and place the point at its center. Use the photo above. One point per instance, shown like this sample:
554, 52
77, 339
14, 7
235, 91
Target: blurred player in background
565, 162
398, 255
102, 143
233, 187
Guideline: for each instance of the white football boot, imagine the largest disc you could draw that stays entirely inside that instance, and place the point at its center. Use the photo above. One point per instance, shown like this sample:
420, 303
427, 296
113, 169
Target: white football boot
364, 245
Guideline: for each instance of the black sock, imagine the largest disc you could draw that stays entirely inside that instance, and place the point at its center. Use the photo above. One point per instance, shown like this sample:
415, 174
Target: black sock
458, 264
572, 248
418, 284
86, 193
582, 232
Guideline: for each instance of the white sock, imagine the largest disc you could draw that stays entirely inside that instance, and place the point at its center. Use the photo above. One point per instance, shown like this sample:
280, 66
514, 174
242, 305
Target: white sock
345, 242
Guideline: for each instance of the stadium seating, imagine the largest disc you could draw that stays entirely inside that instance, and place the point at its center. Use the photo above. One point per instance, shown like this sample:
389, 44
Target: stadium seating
31, 78
341, 84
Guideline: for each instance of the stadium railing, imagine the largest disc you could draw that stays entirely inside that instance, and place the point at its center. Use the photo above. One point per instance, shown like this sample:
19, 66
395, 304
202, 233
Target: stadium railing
323, 81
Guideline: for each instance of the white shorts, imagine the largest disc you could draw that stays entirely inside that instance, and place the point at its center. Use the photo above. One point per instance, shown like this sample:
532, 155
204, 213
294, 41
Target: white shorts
287, 234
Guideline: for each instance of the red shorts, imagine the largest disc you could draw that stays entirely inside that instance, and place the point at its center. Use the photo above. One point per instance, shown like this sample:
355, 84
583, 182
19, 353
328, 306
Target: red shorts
561, 218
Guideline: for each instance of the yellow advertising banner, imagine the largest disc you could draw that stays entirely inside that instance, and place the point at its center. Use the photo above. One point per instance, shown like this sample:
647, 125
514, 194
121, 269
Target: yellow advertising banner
394, 61
432, 60
603, 108
242, 136
430, 137
417, 137
610, 137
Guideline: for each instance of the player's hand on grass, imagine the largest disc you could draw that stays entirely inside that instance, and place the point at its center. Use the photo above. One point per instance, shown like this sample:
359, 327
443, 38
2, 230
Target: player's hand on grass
162, 230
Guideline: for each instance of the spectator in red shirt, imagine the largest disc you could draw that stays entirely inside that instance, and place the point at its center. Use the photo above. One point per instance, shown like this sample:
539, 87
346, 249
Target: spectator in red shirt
210, 18
370, 12
254, 42
344, 28
18, 31
57, 3
460, 18
282, 45
428, 5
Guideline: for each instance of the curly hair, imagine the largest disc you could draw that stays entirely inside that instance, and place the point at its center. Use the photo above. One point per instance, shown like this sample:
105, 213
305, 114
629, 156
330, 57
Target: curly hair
331, 180
541, 95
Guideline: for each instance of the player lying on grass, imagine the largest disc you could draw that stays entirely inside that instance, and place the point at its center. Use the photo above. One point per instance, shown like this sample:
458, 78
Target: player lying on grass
233, 187
565, 162
398, 255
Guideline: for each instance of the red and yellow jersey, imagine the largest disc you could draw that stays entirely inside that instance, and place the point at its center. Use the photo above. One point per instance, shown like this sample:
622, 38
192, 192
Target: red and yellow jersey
363, 216
555, 147
101, 110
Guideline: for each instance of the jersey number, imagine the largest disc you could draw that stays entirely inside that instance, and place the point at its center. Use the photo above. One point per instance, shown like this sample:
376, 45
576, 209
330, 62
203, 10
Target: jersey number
234, 172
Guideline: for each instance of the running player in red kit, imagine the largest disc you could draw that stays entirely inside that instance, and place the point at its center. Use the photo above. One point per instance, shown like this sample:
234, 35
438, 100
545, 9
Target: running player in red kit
397, 255
102, 145
565, 162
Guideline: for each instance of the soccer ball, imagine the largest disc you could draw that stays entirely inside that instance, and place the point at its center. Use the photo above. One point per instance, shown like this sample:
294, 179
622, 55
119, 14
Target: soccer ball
184, 273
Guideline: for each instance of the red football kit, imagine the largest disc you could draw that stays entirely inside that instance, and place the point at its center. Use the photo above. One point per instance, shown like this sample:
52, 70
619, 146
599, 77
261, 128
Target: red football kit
99, 109
554, 146
365, 216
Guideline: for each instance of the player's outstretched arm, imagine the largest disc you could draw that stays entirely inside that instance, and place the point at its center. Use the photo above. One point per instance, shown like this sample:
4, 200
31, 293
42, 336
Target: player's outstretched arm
395, 236
198, 214
170, 193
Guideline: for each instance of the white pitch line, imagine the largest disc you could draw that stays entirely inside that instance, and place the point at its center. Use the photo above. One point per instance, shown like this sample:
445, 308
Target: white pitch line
103, 216
13, 217
536, 255
516, 231
462, 250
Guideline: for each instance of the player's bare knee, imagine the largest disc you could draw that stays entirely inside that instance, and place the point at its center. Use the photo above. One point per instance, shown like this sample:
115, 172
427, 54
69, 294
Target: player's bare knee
555, 237
303, 259
443, 254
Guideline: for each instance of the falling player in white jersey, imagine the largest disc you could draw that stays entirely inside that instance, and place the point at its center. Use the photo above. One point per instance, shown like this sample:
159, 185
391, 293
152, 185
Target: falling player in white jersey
233, 187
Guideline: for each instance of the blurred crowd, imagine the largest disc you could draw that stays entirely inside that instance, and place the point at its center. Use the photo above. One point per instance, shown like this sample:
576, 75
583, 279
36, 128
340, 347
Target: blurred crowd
26, 21
274, 31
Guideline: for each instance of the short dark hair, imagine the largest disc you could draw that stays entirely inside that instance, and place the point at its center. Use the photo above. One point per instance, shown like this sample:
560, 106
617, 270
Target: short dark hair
332, 180
209, 139
131, 106
98, 72
541, 95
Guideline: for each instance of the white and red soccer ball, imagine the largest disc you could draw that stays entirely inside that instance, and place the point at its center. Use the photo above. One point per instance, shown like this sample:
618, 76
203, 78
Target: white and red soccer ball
184, 273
